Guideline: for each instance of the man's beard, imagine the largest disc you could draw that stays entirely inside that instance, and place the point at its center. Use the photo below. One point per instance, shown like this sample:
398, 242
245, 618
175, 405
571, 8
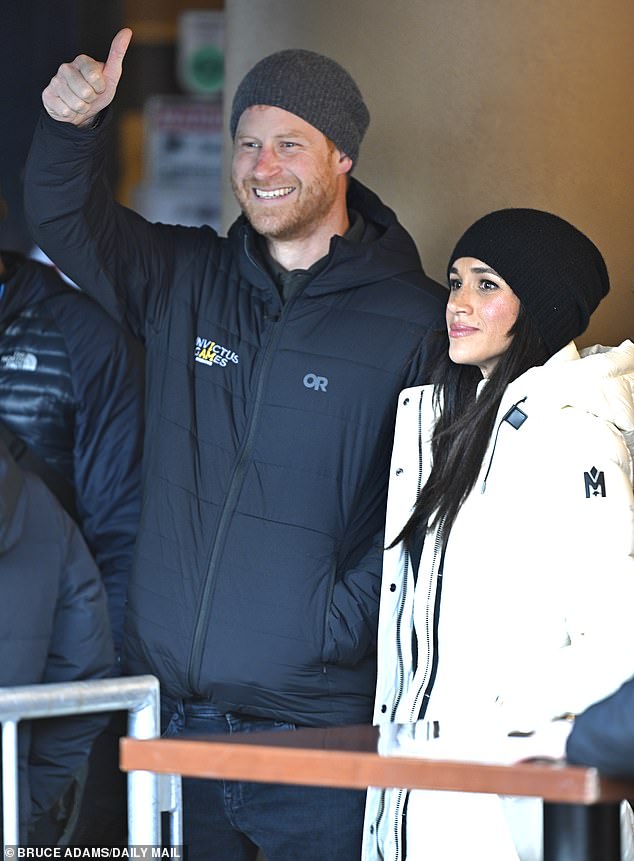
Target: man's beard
294, 219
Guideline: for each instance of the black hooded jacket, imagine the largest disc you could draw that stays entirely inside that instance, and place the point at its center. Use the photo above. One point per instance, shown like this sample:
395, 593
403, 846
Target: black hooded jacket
268, 437
54, 627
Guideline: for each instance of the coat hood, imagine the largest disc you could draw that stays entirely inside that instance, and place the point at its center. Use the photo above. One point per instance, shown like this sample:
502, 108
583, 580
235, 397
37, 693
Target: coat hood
392, 254
27, 283
598, 380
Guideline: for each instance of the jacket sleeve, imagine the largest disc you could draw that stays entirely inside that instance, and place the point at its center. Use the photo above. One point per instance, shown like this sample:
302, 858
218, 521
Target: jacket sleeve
431, 347
354, 608
587, 547
127, 264
354, 612
80, 649
603, 735
107, 375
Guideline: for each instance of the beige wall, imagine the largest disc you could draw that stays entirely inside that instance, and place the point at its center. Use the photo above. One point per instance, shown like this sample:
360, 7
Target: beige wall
480, 104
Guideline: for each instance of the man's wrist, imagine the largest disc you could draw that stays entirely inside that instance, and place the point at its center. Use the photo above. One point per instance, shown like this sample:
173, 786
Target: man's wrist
92, 123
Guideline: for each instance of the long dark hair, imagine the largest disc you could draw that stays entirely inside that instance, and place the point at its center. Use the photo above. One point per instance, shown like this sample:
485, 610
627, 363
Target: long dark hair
463, 430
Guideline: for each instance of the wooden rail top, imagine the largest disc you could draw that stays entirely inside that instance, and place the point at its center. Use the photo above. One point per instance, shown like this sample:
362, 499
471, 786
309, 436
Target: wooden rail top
346, 757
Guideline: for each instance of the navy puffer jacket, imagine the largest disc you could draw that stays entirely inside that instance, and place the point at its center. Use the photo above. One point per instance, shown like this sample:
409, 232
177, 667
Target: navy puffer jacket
71, 388
268, 436
53, 628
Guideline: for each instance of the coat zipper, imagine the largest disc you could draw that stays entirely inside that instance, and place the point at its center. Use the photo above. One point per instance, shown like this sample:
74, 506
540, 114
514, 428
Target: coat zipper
234, 488
416, 712
403, 795
399, 615
505, 418
401, 667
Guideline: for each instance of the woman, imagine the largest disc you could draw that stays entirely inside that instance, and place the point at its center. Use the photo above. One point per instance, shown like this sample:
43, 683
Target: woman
508, 580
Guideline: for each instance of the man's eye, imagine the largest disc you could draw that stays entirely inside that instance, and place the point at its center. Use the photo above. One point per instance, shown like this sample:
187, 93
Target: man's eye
288, 144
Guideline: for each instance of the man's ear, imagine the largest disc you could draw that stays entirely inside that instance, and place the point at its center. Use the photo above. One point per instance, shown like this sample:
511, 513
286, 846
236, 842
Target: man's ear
345, 163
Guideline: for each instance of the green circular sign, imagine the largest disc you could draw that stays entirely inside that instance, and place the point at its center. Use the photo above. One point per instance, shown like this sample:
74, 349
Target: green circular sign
205, 69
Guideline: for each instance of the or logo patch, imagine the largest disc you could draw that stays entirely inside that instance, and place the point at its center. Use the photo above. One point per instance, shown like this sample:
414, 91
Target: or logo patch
313, 381
212, 353
595, 483
19, 361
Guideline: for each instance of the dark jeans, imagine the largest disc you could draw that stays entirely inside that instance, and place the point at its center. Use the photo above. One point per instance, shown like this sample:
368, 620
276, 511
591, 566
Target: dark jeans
229, 820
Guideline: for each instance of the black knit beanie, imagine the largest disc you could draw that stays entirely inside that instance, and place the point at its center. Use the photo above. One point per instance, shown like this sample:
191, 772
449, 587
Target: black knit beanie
557, 273
312, 87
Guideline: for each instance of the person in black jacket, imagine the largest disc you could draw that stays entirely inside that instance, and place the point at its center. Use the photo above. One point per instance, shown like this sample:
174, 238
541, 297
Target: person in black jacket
602, 736
71, 392
274, 358
54, 627
71, 410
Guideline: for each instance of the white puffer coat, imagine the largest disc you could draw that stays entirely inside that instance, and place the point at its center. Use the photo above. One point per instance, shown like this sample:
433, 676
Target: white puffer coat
528, 614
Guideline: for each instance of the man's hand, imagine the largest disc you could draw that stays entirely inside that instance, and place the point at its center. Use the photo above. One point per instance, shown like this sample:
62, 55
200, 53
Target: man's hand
83, 88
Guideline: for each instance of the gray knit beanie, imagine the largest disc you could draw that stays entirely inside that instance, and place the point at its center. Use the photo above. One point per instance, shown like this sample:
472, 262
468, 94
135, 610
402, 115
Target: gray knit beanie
312, 87
557, 273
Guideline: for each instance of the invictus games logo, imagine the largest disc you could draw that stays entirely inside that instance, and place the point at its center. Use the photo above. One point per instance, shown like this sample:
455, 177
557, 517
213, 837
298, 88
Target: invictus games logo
212, 353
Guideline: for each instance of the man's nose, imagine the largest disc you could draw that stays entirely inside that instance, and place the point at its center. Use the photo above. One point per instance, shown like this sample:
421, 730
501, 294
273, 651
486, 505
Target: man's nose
267, 162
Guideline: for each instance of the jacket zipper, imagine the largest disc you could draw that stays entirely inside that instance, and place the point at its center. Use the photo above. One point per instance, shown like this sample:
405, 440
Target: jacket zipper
504, 418
399, 615
235, 485
403, 795
397, 826
416, 711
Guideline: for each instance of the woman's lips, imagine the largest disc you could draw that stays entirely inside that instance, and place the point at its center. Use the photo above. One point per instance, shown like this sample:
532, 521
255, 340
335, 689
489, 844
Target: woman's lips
461, 331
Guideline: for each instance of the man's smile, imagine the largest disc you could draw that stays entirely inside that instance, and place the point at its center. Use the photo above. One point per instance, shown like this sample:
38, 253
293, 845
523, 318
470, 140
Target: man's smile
271, 193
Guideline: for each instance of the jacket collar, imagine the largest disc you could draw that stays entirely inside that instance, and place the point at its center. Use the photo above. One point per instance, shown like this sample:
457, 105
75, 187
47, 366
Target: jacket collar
350, 264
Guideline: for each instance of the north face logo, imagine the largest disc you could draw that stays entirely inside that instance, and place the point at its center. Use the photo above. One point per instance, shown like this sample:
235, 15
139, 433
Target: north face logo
595, 483
19, 361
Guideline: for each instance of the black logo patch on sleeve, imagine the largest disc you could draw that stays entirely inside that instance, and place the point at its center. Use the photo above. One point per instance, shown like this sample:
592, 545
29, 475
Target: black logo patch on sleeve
595, 483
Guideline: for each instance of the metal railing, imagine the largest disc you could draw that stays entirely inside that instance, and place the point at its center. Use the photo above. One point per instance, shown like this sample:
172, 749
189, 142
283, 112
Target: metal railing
148, 794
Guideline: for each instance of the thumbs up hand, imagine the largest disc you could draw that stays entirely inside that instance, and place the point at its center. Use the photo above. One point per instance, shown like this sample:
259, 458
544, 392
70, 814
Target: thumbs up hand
83, 88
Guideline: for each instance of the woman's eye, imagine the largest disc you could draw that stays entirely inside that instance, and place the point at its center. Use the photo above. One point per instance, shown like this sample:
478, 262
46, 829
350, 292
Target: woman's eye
454, 284
488, 285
